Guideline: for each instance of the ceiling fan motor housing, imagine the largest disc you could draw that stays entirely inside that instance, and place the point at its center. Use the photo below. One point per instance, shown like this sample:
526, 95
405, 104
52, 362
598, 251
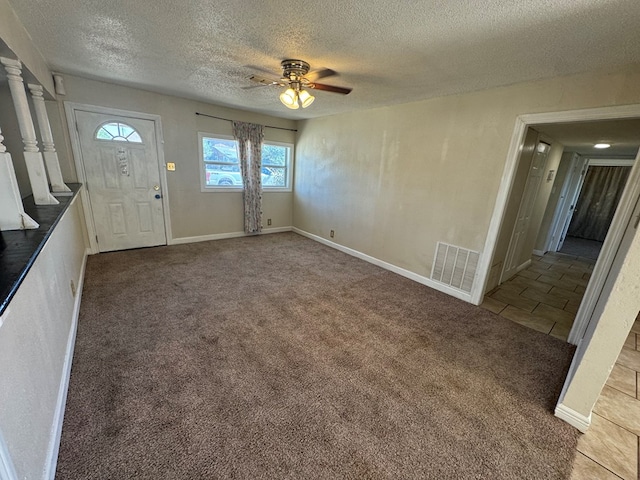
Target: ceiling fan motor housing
294, 69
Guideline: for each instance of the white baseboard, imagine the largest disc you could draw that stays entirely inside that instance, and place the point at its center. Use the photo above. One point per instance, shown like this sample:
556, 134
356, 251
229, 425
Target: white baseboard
539, 253
56, 428
222, 236
388, 266
572, 417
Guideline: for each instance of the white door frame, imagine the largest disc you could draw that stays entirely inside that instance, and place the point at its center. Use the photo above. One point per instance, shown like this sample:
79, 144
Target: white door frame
70, 110
616, 230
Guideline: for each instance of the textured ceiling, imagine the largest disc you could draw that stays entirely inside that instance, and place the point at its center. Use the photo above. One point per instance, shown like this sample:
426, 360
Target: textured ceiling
388, 52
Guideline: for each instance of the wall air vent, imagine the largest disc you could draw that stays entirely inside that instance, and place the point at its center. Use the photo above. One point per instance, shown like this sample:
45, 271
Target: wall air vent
455, 266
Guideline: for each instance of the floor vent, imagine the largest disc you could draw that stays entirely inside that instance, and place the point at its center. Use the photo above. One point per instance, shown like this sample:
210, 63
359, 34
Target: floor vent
455, 266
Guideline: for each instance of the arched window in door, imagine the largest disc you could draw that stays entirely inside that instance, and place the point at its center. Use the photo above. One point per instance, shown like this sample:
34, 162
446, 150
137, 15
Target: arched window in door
119, 132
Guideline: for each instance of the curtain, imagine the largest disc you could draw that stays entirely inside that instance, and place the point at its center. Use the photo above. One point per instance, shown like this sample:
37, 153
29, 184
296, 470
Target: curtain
598, 201
249, 136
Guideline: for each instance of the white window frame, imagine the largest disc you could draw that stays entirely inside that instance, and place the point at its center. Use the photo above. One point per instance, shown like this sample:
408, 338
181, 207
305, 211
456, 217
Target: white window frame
203, 174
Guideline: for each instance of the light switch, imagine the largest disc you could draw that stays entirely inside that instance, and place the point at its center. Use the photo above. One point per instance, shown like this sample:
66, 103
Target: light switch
171, 166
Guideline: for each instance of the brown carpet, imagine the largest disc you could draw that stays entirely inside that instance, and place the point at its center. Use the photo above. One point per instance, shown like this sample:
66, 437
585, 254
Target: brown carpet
277, 357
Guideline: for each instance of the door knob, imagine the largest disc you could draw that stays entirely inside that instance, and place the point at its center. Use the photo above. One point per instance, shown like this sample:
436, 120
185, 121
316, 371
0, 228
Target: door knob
157, 195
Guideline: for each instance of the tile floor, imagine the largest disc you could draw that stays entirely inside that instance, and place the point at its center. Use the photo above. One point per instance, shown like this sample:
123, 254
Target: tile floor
546, 297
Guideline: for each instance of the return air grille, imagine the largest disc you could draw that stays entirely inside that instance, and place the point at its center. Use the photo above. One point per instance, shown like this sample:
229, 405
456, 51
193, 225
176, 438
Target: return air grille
455, 266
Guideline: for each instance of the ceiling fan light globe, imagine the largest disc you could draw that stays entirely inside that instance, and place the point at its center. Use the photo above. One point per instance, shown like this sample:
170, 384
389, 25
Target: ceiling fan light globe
289, 98
306, 98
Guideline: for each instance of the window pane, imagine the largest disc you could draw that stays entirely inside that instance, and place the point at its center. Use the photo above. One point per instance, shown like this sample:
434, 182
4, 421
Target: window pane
103, 134
217, 175
119, 132
274, 177
218, 150
274, 155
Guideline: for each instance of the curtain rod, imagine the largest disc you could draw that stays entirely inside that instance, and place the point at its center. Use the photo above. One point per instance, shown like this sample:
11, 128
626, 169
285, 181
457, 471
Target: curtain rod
229, 120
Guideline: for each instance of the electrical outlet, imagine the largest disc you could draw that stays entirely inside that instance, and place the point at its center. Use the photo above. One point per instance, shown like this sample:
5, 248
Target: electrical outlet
268, 221
331, 234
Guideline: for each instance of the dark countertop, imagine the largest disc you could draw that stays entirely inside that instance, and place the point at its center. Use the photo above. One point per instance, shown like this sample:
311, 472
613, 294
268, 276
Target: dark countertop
20, 248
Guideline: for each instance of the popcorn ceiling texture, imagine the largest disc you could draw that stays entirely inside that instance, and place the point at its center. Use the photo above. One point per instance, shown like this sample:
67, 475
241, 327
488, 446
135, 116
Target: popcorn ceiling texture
389, 52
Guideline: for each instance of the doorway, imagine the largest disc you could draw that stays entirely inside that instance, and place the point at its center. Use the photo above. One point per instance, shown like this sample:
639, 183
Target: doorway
622, 115
119, 160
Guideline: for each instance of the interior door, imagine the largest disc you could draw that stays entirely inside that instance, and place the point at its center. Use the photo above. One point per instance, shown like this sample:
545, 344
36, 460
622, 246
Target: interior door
122, 174
527, 204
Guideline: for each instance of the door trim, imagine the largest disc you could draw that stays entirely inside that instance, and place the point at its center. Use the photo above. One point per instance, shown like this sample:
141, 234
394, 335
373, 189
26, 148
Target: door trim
605, 260
70, 110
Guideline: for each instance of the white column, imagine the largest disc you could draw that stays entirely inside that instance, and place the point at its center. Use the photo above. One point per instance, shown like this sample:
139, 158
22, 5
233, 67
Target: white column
32, 156
12, 216
49, 150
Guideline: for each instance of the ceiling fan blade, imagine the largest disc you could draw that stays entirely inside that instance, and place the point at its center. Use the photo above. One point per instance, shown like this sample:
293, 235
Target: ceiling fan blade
330, 88
318, 74
265, 80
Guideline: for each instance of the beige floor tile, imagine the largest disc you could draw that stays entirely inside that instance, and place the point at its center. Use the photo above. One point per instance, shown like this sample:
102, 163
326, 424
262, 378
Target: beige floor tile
571, 308
568, 294
586, 469
546, 298
624, 379
611, 446
586, 276
630, 342
566, 283
529, 274
636, 327
527, 319
580, 289
525, 282
554, 314
619, 408
629, 358
560, 331
512, 298
493, 305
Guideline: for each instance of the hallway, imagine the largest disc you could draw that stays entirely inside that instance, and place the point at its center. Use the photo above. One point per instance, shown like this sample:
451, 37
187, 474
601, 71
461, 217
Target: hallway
546, 297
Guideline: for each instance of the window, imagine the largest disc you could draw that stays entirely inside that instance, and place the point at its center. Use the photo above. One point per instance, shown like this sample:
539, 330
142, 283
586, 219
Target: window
221, 166
120, 132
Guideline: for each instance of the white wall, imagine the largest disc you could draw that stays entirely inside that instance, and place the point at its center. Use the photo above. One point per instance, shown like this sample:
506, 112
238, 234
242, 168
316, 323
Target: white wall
193, 213
37, 331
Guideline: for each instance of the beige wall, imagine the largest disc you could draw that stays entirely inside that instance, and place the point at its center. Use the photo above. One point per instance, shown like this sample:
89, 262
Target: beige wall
17, 39
193, 213
393, 181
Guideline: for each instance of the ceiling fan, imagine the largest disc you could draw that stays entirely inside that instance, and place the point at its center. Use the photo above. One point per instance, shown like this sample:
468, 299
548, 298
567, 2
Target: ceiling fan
297, 78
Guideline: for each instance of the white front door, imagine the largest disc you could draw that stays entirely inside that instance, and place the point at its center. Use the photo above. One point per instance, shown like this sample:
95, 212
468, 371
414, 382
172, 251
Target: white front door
122, 176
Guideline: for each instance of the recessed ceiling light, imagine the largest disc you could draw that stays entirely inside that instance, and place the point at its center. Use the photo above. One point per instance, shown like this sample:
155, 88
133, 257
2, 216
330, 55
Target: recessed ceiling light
601, 145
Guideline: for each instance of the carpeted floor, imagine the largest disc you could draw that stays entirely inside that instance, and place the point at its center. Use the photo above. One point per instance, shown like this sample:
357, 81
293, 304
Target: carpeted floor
277, 357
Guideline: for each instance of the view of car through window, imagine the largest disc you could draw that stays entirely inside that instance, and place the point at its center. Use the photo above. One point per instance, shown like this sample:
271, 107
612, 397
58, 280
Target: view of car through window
222, 168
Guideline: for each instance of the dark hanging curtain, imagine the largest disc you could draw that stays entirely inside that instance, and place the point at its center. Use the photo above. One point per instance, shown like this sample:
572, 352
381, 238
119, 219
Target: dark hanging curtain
598, 201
